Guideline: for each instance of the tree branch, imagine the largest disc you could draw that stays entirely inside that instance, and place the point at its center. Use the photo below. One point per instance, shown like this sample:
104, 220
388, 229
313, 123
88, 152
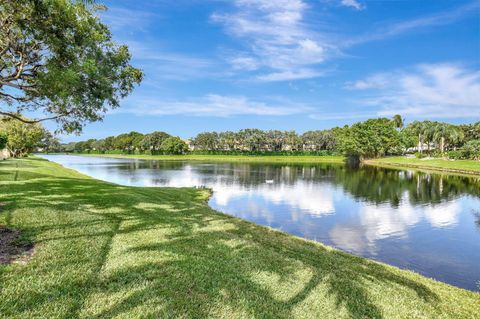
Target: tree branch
21, 119
16, 98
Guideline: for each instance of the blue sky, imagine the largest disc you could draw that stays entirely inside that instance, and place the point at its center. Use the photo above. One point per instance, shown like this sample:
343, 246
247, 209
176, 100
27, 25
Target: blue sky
294, 64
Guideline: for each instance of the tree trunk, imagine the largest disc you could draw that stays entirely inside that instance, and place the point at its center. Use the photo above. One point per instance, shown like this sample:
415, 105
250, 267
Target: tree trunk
419, 143
442, 144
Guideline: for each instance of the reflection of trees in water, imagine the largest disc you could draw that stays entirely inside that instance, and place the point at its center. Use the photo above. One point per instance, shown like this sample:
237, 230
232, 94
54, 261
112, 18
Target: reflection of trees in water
388, 185
373, 184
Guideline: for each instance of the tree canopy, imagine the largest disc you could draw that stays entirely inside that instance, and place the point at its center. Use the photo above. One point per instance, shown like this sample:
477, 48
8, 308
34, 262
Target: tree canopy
59, 59
174, 145
153, 141
369, 139
22, 138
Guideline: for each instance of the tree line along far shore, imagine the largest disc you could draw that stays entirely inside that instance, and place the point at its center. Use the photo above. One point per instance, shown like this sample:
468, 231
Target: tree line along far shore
367, 139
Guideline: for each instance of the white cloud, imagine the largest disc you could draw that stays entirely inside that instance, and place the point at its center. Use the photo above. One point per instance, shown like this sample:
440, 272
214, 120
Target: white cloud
352, 3
160, 64
436, 19
443, 216
303, 196
376, 81
429, 90
243, 63
342, 115
378, 222
211, 105
279, 41
290, 75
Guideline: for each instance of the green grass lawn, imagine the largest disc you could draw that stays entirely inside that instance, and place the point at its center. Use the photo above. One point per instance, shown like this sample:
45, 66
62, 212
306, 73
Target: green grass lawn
461, 166
232, 158
109, 251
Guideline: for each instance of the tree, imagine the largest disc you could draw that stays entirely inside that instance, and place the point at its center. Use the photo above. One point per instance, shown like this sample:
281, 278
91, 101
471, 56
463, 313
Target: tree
22, 138
98, 145
174, 145
252, 139
420, 129
471, 131
398, 121
153, 141
128, 141
275, 140
57, 58
50, 143
206, 141
445, 134
292, 141
69, 148
228, 140
319, 140
109, 143
408, 138
80, 147
370, 139
471, 149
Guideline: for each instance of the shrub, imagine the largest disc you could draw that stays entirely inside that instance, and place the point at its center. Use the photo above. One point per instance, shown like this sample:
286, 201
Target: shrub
456, 155
420, 155
471, 149
3, 140
437, 153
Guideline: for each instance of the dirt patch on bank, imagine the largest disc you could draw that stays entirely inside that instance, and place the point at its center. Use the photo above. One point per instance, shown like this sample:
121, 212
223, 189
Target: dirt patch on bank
12, 248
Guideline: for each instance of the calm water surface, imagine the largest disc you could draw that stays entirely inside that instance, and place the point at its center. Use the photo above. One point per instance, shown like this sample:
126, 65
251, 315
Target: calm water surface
429, 223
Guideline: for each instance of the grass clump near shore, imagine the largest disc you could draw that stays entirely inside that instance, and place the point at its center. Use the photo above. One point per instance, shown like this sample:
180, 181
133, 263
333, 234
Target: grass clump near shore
438, 164
109, 251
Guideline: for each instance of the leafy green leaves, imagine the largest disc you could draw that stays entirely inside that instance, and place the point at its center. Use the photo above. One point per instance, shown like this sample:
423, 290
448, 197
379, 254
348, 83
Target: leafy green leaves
22, 138
369, 139
59, 58
174, 145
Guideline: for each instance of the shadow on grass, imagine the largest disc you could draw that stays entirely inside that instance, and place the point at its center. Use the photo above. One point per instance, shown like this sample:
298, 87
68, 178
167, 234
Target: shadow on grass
164, 251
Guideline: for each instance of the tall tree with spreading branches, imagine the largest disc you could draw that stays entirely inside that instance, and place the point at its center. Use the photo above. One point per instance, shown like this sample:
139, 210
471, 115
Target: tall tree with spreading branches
58, 59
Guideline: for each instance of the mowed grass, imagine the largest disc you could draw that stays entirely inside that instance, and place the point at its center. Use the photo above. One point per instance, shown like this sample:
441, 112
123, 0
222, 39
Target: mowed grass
231, 158
460, 166
108, 251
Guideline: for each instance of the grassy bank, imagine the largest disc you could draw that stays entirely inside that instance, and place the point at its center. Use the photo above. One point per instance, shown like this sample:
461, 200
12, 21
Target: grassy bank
231, 158
104, 251
457, 166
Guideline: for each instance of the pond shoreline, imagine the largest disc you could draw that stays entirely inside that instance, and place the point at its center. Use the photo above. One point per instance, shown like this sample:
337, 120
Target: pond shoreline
223, 158
387, 162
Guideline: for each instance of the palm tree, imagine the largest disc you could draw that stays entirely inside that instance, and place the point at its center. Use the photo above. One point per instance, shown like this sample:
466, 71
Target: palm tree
444, 134
398, 121
419, 129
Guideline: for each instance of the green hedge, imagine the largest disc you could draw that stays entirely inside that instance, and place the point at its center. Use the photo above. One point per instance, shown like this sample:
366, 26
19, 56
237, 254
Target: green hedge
471, 150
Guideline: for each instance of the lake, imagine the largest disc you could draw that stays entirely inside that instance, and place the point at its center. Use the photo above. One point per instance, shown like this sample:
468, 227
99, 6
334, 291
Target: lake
425, 222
